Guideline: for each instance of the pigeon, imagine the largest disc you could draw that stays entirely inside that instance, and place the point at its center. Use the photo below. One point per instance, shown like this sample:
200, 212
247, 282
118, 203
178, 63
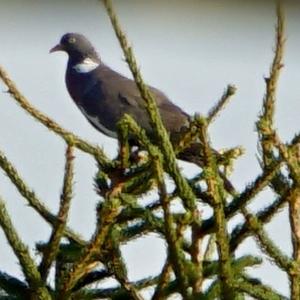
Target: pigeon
104, 96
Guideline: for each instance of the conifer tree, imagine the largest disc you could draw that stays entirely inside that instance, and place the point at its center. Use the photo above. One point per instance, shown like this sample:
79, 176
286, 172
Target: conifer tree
191, 240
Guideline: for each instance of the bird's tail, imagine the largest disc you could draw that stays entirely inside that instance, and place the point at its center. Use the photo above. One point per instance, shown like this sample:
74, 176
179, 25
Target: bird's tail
194, 154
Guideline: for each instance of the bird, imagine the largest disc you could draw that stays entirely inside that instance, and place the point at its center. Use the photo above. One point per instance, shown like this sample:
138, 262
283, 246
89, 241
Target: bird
104, 96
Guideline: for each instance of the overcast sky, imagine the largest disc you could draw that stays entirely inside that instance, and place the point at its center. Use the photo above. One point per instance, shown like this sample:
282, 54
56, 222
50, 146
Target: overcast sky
189, 49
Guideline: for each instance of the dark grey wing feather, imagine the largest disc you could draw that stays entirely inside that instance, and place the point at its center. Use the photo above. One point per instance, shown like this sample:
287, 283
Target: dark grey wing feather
108, 96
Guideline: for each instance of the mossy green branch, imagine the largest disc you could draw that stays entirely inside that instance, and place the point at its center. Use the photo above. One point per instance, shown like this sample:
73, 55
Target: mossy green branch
293, 163
69, 137
282, 260
294, 215
247, 195
265, 124
118, 267
164, 279
241, 232
290, 155
213, 113
115, 292
269, 141
216, 190
258, 291
57, 233
32, 199
175, 253
107, 214
29, 268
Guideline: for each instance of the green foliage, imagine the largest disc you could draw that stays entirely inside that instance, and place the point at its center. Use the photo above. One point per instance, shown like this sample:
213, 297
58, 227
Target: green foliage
120, 183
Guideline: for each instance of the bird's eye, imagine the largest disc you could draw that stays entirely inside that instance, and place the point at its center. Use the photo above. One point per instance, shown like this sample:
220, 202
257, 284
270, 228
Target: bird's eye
71, 40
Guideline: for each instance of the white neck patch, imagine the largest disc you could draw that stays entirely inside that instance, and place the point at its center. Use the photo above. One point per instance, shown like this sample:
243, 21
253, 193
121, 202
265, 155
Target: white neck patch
87, 65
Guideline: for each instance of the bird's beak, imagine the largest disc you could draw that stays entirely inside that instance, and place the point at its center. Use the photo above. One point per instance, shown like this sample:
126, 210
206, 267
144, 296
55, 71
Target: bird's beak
58, 47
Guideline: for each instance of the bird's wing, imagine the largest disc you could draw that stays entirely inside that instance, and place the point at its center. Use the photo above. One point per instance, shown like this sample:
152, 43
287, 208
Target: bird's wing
131, 102
109, 96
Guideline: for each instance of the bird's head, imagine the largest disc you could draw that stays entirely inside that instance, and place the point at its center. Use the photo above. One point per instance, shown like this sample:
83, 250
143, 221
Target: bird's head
77, 46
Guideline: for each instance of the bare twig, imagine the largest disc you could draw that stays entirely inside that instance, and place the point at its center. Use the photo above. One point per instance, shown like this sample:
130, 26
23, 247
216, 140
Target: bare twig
213, 113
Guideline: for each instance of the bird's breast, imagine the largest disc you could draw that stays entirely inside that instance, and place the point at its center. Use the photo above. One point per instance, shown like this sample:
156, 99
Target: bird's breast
75, 83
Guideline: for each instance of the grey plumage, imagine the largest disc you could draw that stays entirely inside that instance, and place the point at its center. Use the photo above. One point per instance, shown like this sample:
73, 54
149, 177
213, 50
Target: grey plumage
107, 95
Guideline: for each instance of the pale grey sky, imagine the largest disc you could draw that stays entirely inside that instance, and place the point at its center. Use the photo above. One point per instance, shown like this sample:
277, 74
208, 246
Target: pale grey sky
189, 49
